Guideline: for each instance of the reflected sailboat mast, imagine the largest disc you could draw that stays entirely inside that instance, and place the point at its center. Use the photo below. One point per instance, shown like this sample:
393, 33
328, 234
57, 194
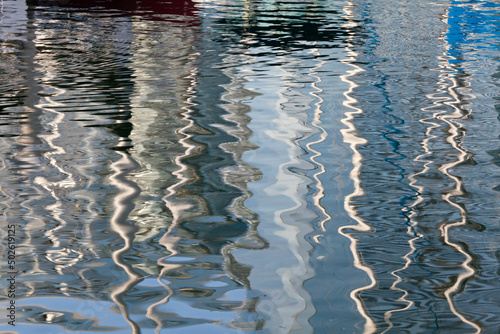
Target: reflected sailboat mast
447, 96
350, 137
28, 156
317, 123
455, 138
197, 198
123, 206
161, 143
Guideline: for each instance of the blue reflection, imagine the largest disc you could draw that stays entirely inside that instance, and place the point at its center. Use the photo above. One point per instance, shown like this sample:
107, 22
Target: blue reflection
472, 23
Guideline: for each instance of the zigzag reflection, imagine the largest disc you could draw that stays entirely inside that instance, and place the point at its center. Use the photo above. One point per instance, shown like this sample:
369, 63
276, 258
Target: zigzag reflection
349, 136
317, 123
409, 257
446, 96
191, 157
61, 254
123, 204
455, 137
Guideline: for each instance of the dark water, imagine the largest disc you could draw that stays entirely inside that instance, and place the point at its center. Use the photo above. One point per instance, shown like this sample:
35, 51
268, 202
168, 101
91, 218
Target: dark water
250, 166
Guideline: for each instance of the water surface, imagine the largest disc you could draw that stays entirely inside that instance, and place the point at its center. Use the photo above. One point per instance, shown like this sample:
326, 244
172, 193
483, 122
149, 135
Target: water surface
251, 166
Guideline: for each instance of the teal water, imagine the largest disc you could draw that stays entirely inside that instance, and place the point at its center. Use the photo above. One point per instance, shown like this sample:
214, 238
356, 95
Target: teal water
250, 166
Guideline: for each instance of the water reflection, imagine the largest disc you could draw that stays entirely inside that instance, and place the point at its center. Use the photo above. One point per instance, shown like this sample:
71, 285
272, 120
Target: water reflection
353, 140
251, 166
123, 205
428, 199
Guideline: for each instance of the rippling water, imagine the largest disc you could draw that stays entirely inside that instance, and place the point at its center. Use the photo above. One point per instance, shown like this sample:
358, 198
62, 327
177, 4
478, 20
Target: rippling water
250, 166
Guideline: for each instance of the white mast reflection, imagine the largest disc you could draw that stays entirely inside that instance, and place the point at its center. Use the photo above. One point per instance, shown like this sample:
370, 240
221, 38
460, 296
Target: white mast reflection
350, 137
30, 130
446, 96
123, 204
412, 224
455, 132
177, 208
316, 122
61, 255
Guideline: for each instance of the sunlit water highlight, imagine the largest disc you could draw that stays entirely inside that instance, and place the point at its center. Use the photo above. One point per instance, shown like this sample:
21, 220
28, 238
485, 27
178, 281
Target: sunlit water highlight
251, 166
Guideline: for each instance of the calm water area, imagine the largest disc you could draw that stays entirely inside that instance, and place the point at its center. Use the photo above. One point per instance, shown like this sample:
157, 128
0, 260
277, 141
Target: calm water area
250, 166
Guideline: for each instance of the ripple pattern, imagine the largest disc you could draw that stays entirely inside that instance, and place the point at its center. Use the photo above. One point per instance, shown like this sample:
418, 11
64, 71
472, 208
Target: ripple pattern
250, 166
